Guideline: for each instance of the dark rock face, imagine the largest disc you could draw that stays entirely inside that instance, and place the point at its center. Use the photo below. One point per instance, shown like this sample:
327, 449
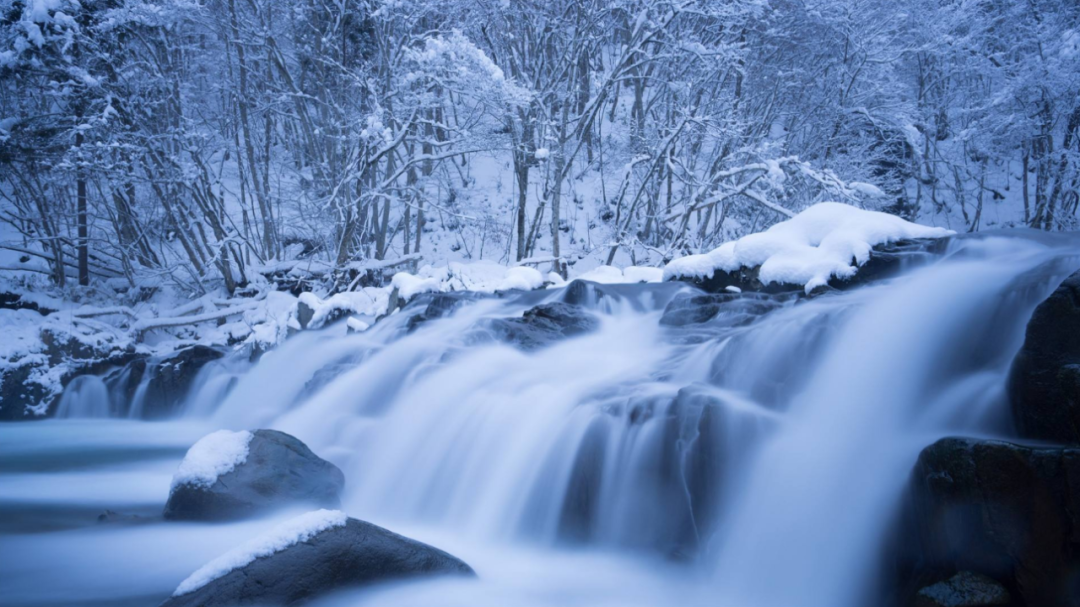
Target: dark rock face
304, 314
744, 279
544, 324
1044, 384
437, 305
14, 301
889, 260
17, 392
352, 555
61, 347
584, 293
279, 471
964, 589
171, 379
1001, 510
739, 308
21, 388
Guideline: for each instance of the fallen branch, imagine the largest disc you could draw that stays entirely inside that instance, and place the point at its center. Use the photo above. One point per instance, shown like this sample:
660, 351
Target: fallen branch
103, 312
143, 326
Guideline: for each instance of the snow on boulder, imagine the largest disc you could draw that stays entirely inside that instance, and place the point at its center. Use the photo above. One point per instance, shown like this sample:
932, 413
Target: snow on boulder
289, 533
230, 475
313, 312
307, 557
828, 240
215, 454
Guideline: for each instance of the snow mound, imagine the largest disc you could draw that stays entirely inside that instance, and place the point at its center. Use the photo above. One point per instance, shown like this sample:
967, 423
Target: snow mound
808, 249
482, 277
289, 533
215, 454
368, 301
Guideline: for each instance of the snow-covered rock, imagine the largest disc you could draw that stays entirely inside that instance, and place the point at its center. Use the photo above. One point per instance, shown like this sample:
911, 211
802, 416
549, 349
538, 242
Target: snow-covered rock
289, 533
314, 312
826, 241
309, 556
230, 475
481, 277
215, 454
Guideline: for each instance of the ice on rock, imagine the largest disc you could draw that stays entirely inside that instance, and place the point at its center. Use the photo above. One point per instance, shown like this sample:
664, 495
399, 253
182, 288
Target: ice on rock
808, 249
215, 454
289, 533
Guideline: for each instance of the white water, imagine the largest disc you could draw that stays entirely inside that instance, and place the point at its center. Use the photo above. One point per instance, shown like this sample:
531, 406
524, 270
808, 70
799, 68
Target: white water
756, 465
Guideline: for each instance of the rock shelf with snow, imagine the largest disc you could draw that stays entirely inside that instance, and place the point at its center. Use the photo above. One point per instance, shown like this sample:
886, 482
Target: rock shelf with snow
844, 410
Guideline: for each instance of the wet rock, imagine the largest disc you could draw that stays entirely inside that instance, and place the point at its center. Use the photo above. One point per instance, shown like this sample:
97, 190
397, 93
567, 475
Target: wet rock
110, 517
348, 556
890, 260
964, 589
171, 379
744, 279
304, 314
1002, 510
544, 324
1044, 383
279, 471
436, 306
584, 293
739, 308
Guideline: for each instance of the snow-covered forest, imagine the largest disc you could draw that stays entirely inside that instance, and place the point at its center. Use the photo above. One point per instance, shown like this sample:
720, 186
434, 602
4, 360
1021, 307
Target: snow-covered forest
203, 142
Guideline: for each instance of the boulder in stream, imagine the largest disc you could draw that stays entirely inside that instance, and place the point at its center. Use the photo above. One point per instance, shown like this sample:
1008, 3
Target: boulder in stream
1005, 511
544, 324
307, 557
737, 309
965, 589
231, 475
1044, 384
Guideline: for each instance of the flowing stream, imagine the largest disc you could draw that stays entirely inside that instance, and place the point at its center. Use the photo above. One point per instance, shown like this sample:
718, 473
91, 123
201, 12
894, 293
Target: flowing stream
754, 460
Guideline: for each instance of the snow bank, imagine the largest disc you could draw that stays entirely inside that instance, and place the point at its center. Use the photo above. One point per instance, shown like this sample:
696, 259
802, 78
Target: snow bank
292, 531
482, 277
213, 455
808, 249
368, 301
632, 274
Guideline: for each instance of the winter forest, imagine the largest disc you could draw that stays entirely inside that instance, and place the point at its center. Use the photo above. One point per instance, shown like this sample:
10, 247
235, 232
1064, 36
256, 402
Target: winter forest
200, 142
540, 303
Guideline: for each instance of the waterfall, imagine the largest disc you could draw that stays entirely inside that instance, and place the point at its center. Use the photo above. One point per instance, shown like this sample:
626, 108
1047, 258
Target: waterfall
85, 396
764, 450
900, 373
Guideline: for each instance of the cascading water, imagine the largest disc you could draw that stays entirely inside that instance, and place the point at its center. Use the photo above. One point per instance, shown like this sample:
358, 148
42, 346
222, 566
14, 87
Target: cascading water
755, 459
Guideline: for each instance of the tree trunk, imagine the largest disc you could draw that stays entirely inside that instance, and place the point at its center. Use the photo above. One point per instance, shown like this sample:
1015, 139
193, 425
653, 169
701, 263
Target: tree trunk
82, 219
